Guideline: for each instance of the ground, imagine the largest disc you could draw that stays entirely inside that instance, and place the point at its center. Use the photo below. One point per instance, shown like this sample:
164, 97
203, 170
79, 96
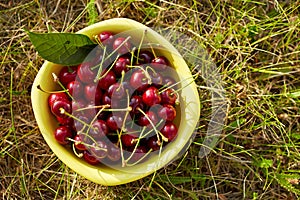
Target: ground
255, 46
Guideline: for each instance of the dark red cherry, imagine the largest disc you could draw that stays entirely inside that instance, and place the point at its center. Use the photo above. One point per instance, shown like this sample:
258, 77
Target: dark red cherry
67, 74
169, 131
65, 121
60, 105
78, 104
136, 103
168, 96
107, 80
106, 37
138, 153
168, 112
89, 158
75, 88
92, 93
153, 143
61, 134
121, 45
116, 91
85, 73
98, 129
143, 120
99, 149
168, 81
151, 96
145, 57
114, 122
113, 152
121, 65
57, 96
129, 139
79, 142
139, 80
159, 63
156, 78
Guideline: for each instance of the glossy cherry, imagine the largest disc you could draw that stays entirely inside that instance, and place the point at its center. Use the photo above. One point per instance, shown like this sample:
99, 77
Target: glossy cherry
116, 91
89, 158
106, 37
168, 96
167, 112
143, 120
114, 122
169, 131
108, 79
98, 129
79, 142
99, 149
58, 106
160, 63
75, 88
136, 103
57, 96
121, 65
129, 139
151, 96
92, 93
121, 45
61, 134
67, 74
85, 73
145, 57
139, 80
153, 143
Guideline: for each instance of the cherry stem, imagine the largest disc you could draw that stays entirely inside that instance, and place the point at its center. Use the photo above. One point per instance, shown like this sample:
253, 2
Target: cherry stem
79, 155
141, 42
142, 158
100, 67
121, 80
156, 131
56, 79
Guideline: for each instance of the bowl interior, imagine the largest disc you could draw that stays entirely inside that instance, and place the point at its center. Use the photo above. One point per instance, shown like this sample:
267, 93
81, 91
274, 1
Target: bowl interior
189, 111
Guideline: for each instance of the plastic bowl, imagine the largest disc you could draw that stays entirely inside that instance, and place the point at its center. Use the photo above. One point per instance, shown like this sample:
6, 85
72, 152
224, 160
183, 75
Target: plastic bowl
189, 112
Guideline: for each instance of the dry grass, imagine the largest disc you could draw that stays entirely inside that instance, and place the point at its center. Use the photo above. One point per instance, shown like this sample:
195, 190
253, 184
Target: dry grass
254, 43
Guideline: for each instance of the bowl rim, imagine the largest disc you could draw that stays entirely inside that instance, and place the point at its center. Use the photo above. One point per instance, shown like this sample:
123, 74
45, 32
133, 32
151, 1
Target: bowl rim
114, 177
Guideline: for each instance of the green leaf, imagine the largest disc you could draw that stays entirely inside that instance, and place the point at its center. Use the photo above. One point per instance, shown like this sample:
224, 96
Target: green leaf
62, 48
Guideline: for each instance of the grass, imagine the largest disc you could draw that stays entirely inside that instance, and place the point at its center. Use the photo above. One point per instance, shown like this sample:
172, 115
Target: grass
255, 45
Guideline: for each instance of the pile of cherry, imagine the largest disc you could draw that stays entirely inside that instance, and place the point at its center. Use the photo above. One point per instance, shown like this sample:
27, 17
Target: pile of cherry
119, 113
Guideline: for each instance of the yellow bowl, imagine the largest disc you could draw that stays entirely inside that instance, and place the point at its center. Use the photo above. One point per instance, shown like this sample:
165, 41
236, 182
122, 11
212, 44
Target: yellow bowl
189, 112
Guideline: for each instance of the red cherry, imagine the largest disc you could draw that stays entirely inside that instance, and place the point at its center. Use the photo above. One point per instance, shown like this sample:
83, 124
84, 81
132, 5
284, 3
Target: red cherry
168, 112
116, 91
98, 129
138, 80
126, 46
65, 121
145, 57
169, 131
143, 121
107, 80
136, 102
57, 96
75, 88
79, 142
151, 96
61, 134
99, 149
89, 158
121, 65
138, 153
156, 78
113, 152
85, 73
114, 122
129, 139
168, 81
92, 93
106, 37
168, 96
159, 63
67, 74
60, 105
152, 143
